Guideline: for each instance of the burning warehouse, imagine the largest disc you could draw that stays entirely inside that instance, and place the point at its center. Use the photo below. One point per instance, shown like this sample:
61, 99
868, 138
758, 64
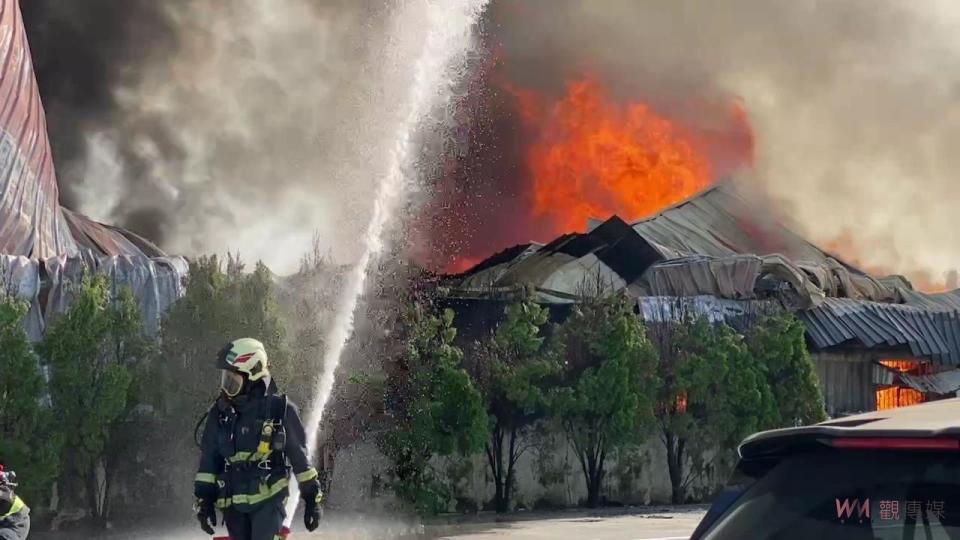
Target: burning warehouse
877, 343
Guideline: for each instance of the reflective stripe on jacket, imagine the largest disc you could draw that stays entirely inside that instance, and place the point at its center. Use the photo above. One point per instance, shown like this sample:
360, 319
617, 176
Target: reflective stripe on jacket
233, 471
16, 507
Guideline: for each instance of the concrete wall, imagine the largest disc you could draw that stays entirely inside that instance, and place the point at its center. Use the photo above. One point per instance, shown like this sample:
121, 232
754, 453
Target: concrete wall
547, 477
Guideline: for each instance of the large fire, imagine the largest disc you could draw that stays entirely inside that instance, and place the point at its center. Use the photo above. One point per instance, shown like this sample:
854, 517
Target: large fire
592, 157
532, 164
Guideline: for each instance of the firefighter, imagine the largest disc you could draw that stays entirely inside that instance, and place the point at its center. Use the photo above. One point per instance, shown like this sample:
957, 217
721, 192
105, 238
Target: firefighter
252, 439
14, 514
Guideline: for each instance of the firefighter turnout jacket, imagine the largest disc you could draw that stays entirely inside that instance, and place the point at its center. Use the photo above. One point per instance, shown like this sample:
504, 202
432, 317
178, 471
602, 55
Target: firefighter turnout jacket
14, 515
248, 448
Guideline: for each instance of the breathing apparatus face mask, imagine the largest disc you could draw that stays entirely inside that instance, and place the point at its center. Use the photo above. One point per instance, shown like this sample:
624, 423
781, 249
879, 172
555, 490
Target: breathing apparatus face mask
231, 382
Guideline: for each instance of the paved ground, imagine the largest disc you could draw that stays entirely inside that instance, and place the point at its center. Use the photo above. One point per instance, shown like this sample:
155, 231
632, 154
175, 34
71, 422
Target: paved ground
622, 524
666, 525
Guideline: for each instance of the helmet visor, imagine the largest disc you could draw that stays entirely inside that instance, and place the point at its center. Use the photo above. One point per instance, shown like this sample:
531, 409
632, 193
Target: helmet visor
231, 382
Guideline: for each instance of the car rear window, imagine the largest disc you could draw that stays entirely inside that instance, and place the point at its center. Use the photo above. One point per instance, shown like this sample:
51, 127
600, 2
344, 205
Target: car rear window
843, 495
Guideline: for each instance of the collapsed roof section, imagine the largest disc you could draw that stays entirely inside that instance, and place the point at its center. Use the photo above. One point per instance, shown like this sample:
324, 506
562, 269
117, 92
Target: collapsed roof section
714, 243
727, 258
722, 222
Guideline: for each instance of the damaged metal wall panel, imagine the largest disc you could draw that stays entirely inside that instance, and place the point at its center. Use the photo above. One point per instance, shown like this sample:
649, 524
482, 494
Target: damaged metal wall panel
659, 309
746, 276
846, 379
31, 223
49, 286
943, 383
586, 276
20, 279
155, 283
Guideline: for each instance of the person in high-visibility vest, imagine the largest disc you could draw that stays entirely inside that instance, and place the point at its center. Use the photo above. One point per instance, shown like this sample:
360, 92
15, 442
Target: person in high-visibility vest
14, 514
252, 440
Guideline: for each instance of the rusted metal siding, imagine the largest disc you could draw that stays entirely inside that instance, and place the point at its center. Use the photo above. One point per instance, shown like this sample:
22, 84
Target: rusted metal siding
846, 379
31, 222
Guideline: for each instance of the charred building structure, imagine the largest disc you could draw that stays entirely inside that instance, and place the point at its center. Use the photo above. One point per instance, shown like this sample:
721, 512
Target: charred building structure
877, 343
45, 248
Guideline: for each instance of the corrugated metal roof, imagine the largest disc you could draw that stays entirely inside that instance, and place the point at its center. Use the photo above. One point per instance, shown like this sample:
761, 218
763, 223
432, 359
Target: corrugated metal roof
721, 222
926, 333
945, 382
719, 245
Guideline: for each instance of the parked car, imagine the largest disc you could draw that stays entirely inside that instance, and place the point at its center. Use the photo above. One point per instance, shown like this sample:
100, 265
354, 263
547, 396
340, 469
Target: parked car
891, 474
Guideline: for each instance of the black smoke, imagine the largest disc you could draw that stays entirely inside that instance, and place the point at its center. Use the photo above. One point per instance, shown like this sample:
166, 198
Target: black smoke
223, 124
82, 52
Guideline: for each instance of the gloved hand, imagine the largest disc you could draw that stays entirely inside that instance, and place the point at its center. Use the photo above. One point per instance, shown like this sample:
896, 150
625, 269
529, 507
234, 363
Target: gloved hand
206, 514
311, 510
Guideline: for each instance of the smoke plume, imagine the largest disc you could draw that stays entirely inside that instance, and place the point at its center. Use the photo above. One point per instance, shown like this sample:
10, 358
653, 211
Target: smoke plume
248, 125
239, 124
852, 103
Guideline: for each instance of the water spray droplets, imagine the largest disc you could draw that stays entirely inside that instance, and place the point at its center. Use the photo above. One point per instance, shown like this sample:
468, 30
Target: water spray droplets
445, 28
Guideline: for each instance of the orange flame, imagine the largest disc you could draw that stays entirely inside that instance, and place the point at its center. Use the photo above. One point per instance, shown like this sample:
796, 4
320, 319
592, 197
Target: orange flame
592, 158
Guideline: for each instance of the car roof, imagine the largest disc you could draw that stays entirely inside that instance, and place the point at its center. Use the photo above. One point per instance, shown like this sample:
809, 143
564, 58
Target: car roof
933, 419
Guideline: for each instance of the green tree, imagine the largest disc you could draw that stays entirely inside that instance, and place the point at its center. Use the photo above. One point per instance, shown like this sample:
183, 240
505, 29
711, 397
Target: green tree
218, 305
778, 343
29, 440
604, 398
512, 371
222, 301
712, 393
436, 410
92, 351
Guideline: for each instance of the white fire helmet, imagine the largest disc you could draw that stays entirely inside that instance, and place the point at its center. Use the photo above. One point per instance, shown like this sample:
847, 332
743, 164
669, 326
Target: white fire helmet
242, 359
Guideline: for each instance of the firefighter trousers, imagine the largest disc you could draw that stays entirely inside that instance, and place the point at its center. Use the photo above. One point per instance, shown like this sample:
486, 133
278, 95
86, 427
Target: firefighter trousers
15, 526
262, 523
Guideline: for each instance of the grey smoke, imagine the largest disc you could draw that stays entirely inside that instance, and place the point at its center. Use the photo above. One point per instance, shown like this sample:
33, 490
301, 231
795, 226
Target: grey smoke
854, 102
247, 125
193, 121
